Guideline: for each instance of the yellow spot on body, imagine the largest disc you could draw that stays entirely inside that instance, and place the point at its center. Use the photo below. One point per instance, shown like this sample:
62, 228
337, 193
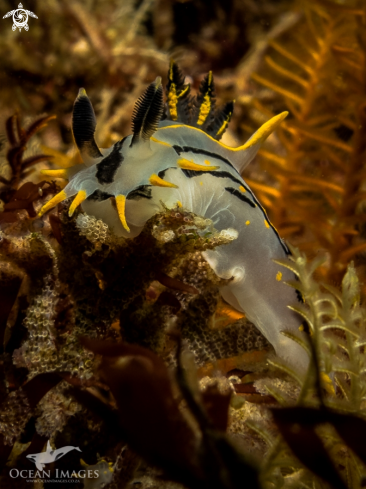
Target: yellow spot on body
53, 202
279, 276
201, 183
159, 182
121, 206
55, 173
80, 197
206, 162
301, 328
242, 189
266, 224
191, 165
179, 203
247, 223
82, 93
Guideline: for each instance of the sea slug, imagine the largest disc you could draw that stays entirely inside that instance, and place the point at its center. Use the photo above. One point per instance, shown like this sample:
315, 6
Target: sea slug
174, 156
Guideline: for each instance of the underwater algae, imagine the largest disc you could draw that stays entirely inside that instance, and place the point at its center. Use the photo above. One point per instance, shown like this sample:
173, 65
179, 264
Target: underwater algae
67, 374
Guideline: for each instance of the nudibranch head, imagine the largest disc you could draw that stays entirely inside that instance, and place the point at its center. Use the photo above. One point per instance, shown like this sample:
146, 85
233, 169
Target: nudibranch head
125, 184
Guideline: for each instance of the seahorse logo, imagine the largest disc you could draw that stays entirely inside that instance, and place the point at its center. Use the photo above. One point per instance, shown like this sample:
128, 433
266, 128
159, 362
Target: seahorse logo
20, 17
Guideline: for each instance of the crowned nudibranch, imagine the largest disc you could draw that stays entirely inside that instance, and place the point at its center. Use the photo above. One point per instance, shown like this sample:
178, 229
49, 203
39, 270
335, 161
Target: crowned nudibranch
174, 155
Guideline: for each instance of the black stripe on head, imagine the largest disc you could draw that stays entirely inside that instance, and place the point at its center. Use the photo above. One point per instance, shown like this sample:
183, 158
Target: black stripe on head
240, 196
144, 191
148, 112
107, 168
83, 125
198, 151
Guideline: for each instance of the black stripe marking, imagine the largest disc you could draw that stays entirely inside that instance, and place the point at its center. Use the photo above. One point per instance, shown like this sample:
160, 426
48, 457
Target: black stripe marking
215, 173
184, 149
283, 245
107, 168
143, 191
161, 173
187, 149
240, 196
99, 196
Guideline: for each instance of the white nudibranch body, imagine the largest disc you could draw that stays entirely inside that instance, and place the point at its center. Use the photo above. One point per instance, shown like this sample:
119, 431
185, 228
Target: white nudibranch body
180, 159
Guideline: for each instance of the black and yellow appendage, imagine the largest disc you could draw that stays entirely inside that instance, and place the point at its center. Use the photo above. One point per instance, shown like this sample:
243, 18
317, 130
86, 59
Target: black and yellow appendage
206, 104
176, 90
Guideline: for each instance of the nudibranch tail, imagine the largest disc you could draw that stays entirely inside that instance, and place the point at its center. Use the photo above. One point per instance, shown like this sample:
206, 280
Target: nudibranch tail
148, 112
83, 126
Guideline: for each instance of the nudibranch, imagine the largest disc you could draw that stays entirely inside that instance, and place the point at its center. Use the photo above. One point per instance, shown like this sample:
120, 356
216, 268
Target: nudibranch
174, 155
